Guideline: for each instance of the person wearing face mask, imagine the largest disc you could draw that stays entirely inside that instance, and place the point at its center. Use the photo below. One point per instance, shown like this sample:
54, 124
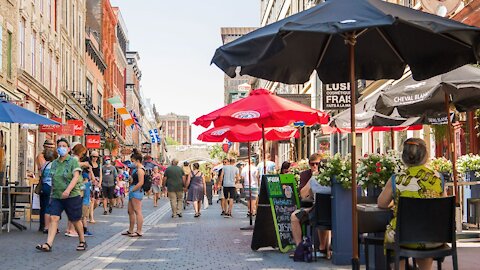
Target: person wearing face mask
65, 173
108, 181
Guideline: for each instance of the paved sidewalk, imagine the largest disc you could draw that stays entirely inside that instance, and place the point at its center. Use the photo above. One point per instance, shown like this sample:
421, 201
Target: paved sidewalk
19, 246
209, 242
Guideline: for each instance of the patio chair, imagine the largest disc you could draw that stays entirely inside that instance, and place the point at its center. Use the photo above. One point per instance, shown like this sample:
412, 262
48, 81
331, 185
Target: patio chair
321, 218
425, 221
5, 207
23, 202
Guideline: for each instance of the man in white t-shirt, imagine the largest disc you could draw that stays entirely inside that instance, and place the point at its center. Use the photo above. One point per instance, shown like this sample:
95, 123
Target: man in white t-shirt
253, 188
271, 167
228, 177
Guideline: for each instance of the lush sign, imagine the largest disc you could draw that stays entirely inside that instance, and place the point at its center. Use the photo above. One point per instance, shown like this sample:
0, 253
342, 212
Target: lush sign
336, 96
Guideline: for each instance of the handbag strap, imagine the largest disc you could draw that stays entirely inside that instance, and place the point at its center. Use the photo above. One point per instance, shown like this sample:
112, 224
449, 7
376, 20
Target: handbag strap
43, 170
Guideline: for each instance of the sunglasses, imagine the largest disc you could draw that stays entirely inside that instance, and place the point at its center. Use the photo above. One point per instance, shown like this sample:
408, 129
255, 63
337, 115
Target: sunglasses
94, 156
314, 163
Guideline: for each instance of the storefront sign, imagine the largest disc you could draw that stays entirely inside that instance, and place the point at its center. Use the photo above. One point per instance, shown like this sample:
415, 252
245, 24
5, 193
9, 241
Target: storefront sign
77, 126
336, 96
92, 141
52, 128
67, 130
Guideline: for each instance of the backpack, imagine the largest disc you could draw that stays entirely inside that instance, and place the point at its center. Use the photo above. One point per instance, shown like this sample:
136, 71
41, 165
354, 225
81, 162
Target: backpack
147, 180
303, 252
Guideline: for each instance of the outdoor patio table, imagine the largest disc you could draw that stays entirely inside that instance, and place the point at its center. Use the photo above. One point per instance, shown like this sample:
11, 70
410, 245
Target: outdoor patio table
373, 220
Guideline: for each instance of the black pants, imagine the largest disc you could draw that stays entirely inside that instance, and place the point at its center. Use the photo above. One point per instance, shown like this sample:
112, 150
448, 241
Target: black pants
44, 203
209, 194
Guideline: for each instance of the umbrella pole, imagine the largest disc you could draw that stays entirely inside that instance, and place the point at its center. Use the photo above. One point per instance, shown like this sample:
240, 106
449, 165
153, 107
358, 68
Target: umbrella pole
392, 138
372, 139
451, 148
264, 149
351, 40
250, 185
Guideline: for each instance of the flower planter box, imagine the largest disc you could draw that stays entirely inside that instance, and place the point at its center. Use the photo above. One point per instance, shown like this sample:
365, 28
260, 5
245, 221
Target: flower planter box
470, 176
341, 224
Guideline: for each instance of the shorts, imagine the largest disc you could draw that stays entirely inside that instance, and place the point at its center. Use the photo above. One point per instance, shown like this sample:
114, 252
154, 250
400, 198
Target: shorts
108, 192
135, 194
254, 193
71, 206
156, 188
304, 216
229, 192
85, 211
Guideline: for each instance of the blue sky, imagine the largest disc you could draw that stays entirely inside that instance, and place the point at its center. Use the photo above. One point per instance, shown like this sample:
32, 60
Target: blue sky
176, 41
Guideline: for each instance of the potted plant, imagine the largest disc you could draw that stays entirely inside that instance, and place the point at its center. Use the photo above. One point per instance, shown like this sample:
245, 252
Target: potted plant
336, 170
443, 166
469, 166
374, 170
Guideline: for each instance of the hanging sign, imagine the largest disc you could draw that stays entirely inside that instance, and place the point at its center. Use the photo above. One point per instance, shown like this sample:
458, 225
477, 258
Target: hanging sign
92, 141
273, 226
77, 126
336, 96
52, 128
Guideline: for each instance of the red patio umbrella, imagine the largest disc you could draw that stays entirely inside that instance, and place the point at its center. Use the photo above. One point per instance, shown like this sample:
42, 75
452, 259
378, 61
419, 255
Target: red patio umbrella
248, 133
264, 108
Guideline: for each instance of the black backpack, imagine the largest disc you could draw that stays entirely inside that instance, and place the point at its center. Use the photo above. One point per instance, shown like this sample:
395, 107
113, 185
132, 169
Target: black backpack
147, 180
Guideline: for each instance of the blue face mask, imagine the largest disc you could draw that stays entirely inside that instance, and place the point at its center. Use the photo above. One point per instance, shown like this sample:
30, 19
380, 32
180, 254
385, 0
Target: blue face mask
107, 161
62, 151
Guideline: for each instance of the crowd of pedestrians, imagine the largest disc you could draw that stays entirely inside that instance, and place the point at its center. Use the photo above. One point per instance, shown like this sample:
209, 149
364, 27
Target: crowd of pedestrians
77, 181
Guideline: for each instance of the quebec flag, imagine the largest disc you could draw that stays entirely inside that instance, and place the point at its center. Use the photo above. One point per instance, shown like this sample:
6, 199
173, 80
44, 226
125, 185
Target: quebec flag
154, 136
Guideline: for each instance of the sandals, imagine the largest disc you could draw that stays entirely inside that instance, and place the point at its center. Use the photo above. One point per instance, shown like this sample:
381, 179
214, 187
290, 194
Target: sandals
135, 234
196, 215
126, 233
82, 246
43, 248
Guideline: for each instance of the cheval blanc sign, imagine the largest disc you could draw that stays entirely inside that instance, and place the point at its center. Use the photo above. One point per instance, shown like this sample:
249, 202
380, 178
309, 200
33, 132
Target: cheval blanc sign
77, 127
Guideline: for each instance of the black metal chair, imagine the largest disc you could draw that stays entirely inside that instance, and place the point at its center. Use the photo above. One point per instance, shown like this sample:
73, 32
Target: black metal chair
321, 218
425, 221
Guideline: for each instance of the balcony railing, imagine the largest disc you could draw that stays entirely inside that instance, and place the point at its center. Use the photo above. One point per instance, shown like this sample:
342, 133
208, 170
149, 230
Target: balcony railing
84, 99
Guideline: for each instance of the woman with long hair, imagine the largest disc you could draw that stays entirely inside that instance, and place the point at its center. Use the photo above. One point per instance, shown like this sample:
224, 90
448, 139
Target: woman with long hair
196, 188
135, 196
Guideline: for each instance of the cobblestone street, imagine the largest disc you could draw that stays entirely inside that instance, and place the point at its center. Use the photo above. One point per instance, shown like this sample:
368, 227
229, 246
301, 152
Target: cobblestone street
210, 242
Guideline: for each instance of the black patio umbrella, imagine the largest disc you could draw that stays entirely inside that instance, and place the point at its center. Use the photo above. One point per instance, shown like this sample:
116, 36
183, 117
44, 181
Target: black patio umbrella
431, 98
367, 116
346, 40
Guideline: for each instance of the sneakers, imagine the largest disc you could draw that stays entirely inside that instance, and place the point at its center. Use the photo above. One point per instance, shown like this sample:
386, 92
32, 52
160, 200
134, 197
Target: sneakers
223, 213
87, 233
71, 235
110, 209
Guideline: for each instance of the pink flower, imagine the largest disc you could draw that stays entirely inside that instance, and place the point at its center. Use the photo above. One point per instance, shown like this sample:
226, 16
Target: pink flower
378, 170
378, 164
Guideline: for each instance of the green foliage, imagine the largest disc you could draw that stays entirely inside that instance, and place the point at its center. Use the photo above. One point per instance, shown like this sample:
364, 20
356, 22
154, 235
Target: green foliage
441, 165
171, 141
338, 167
439, 131
468, 162
216, 152
375, 170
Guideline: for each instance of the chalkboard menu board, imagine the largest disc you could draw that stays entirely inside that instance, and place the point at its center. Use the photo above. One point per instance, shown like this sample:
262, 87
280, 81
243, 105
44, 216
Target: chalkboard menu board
283, 196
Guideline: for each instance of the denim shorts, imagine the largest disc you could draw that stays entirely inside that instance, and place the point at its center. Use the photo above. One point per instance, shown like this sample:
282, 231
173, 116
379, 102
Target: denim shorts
135, 194
71, 206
